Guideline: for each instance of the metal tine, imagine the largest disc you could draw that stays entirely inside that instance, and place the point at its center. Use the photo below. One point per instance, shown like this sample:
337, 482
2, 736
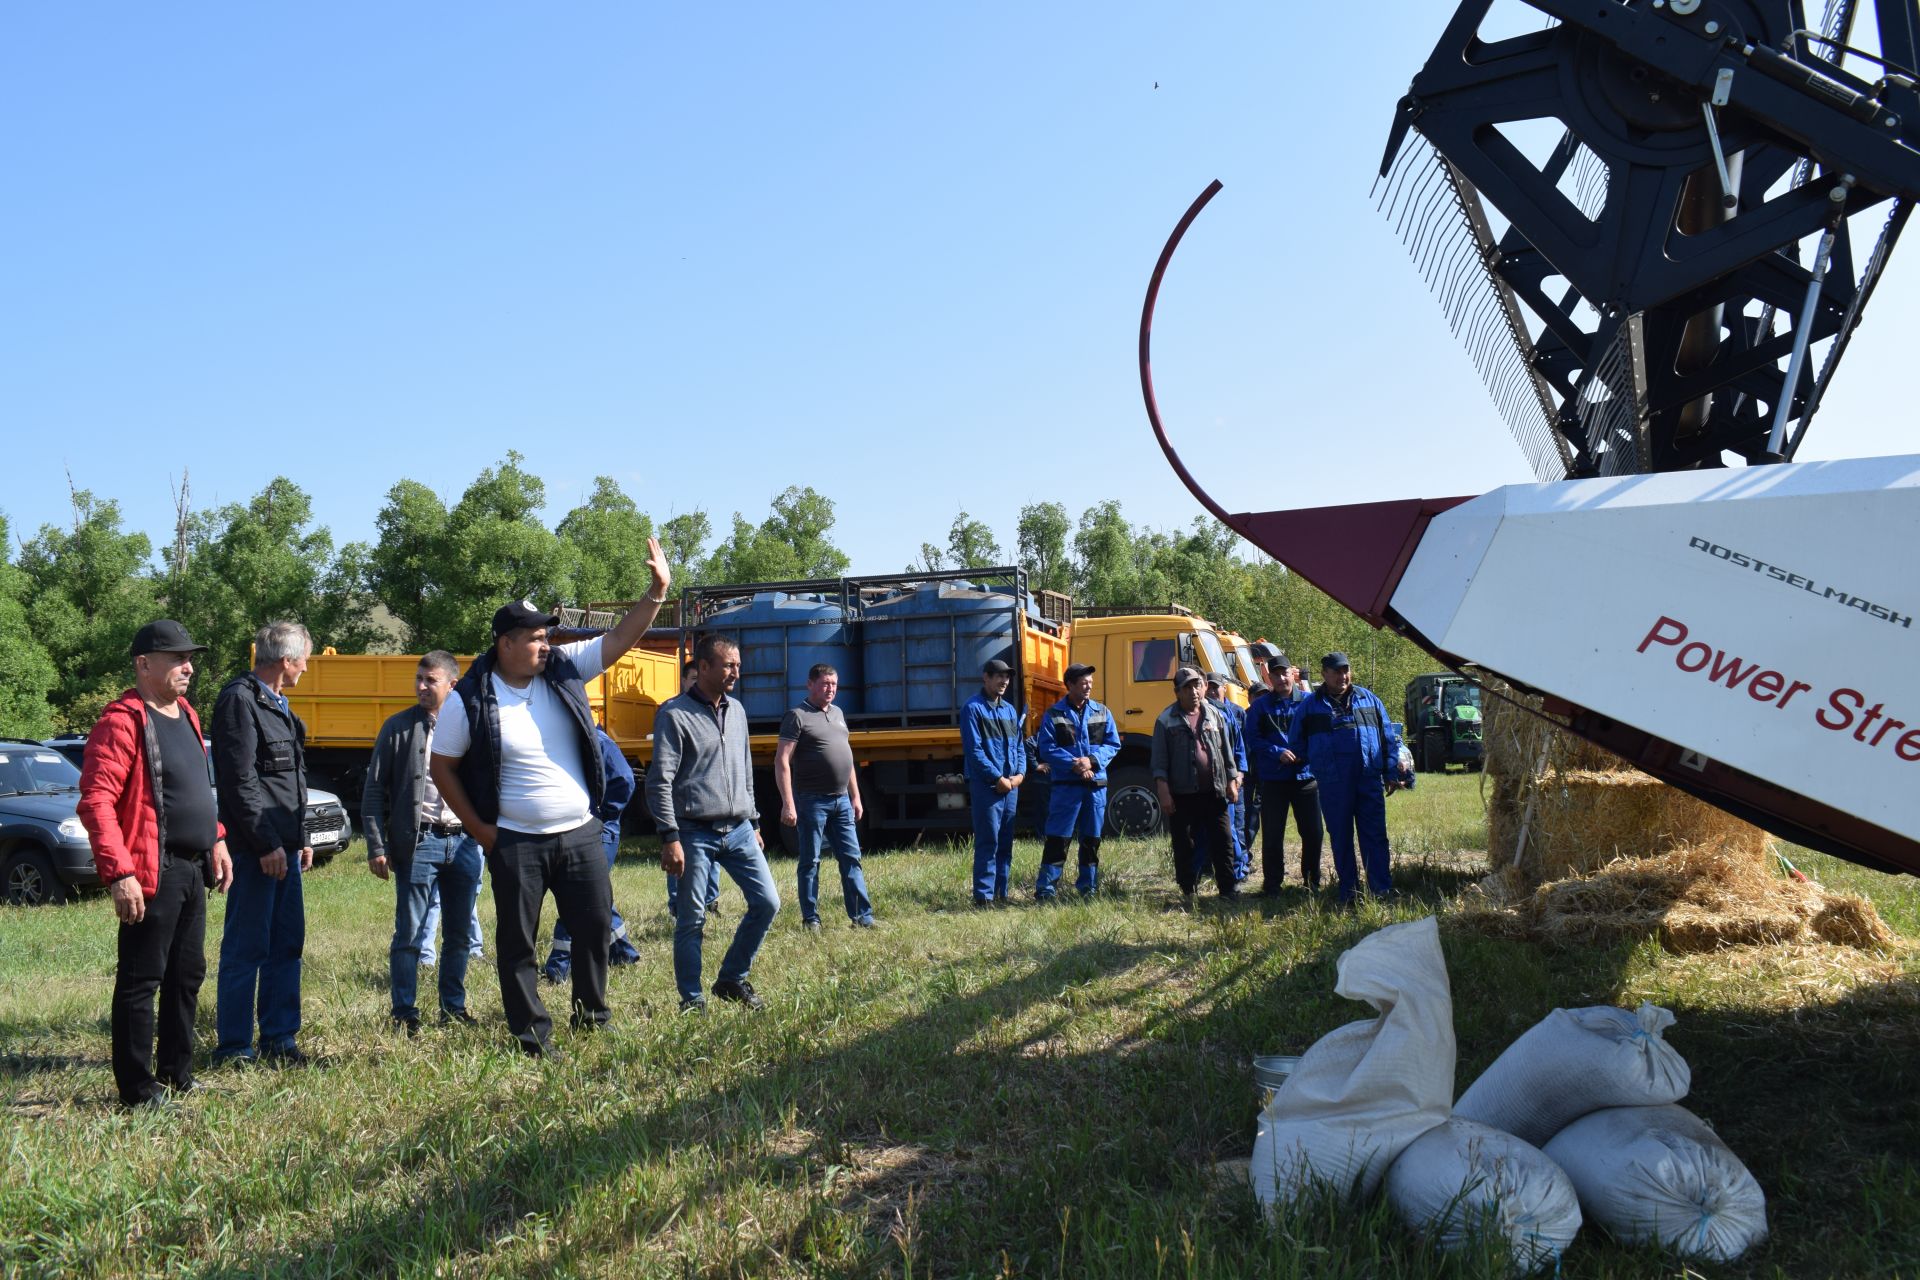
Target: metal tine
1407, 169
1461, 267
1426, 199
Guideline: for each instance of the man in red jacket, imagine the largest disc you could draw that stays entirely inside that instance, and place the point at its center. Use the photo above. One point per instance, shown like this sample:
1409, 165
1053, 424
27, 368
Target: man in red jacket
148, 807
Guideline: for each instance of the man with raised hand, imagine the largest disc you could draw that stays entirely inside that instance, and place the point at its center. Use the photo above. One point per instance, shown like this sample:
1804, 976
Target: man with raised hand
159, 847
516, 756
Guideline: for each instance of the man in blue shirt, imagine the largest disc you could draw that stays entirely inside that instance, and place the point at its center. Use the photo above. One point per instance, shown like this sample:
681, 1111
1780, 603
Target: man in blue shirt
1344, 735
1078, 738
994, 751
1284, 783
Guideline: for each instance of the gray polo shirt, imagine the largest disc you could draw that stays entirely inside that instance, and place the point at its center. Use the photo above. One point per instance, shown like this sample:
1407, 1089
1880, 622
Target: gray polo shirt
822, 756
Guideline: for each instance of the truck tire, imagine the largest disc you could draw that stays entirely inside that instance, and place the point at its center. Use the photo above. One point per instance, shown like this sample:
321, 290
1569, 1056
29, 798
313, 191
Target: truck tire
28, 880
1433, 745
1133, 805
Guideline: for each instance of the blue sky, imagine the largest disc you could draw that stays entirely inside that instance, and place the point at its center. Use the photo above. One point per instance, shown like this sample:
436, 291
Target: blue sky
894, 252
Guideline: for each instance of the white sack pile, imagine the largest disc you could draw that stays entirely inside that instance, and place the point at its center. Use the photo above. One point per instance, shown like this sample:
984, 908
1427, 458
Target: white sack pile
1574, 1061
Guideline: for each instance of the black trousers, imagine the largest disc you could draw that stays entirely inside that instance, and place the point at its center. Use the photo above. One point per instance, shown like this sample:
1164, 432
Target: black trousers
1193, 814
571, 865
1304, 799
166, 952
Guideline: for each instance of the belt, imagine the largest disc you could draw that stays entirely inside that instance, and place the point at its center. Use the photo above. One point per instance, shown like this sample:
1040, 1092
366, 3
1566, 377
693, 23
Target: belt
441, 829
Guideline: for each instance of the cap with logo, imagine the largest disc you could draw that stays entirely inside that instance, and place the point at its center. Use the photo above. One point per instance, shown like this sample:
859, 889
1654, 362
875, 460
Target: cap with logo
522, 613
164, 636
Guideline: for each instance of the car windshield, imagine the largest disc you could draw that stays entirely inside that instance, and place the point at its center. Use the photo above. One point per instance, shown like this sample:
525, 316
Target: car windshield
1216, 657
35, 771
1243, 657
1460, 695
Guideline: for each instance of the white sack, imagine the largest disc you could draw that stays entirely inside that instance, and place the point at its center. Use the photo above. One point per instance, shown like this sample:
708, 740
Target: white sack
1463, 1179
1574, 1061
1658, 1173
1365, 1090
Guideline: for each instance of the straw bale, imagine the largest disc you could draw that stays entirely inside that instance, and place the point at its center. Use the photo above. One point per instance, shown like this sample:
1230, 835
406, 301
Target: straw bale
1581, 820
1694, 899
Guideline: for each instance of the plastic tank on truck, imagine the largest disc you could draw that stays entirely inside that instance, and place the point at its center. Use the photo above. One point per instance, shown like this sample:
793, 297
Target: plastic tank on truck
781, 637
924, 647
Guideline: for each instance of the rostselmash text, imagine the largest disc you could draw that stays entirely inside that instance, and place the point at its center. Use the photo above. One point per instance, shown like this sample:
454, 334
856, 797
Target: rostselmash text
1740, 560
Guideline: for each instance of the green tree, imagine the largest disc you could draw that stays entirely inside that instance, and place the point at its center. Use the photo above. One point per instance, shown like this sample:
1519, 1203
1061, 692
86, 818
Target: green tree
495, 549
684, 539
406, 567
608, 534
1042, 539
793, 542
251, 563
87, 593
26, 671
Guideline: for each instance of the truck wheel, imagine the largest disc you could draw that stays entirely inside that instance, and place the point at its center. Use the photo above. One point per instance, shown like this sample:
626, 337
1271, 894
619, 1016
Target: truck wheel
28, 880
1433, 745
1133, 805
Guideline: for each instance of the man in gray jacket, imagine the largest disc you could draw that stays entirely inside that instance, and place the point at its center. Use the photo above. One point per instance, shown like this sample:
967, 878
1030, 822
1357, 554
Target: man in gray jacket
1195, 772
700, 793
413, 837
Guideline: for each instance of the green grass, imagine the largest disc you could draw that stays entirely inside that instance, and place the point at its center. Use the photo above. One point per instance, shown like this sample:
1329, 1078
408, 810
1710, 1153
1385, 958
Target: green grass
1026, 1092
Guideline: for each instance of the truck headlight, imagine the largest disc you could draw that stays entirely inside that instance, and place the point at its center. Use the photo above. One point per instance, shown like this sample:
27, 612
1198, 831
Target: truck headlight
73, 829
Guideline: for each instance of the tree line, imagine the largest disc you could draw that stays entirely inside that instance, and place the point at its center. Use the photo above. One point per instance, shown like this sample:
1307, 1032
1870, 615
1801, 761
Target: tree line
72, 596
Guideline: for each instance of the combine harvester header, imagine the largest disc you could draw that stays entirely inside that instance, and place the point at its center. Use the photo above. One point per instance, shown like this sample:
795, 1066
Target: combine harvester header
1744, 633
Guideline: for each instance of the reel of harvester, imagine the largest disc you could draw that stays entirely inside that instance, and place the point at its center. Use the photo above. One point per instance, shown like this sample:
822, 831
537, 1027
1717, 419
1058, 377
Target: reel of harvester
1687, 237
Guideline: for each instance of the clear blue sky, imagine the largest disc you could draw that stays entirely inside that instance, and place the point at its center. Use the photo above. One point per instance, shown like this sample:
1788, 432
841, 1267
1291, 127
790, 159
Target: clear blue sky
895, 252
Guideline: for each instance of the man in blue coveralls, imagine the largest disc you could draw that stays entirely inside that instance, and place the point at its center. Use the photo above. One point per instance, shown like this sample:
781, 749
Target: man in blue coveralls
1284, 786
619, 792
1344, 735
994, 749
1078, 738
1241, 858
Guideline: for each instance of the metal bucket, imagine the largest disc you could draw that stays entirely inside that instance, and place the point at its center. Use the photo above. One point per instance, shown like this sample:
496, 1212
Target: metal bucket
1270, 1072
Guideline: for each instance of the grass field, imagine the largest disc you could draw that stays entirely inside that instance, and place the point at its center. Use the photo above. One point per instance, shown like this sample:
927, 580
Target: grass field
1024, 1092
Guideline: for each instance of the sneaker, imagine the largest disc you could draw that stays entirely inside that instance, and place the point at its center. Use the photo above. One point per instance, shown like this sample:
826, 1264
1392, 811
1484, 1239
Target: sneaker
740, 992
289, 1056
983, 904
551, 1054
811, 926
864, 922
236, 1061
693, 1004
410, 1025
458, 1017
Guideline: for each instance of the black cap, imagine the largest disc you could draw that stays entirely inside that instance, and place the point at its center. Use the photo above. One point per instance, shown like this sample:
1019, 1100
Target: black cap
1335, 659
164, 636
996, 667
521, 613
1277, 658
1077, 669
1217, 678
1255, 689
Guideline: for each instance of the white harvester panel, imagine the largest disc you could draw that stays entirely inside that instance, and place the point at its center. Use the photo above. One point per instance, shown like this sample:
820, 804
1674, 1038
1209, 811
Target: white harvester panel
1761, 616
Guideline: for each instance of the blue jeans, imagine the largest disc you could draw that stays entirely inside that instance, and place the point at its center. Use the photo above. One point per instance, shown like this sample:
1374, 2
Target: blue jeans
450, 867
992, 838
673, 895
562, 940
260, 948
709, 850
430, 929
829, 820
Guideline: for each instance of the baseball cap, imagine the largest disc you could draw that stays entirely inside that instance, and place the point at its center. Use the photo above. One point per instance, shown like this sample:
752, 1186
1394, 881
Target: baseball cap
1217, 678
1334, 659
164, 635
1077, 669
521, 613
1186, 676
996, 667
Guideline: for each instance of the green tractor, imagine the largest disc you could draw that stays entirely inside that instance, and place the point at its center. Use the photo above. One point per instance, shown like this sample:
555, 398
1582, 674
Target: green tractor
1443, 722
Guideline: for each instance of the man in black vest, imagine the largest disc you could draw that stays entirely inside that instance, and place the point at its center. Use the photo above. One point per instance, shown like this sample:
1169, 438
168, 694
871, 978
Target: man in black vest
516, 759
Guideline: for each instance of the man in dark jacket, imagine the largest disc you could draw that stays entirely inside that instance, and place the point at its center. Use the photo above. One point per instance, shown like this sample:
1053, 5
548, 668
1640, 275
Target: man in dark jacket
1343, 733
259, 766
158, 846
413, 836
1198, 777
1285, 783
1078, 739
613, 803
516, 756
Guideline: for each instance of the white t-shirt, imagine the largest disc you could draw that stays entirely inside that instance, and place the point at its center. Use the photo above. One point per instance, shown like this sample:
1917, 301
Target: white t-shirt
543, 781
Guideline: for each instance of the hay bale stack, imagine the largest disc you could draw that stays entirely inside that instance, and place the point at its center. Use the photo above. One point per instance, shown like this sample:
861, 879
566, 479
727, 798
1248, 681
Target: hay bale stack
1693, 899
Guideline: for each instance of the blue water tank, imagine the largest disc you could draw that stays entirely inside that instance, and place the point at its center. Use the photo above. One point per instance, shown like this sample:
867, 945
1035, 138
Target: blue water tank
781, 637
924, 648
